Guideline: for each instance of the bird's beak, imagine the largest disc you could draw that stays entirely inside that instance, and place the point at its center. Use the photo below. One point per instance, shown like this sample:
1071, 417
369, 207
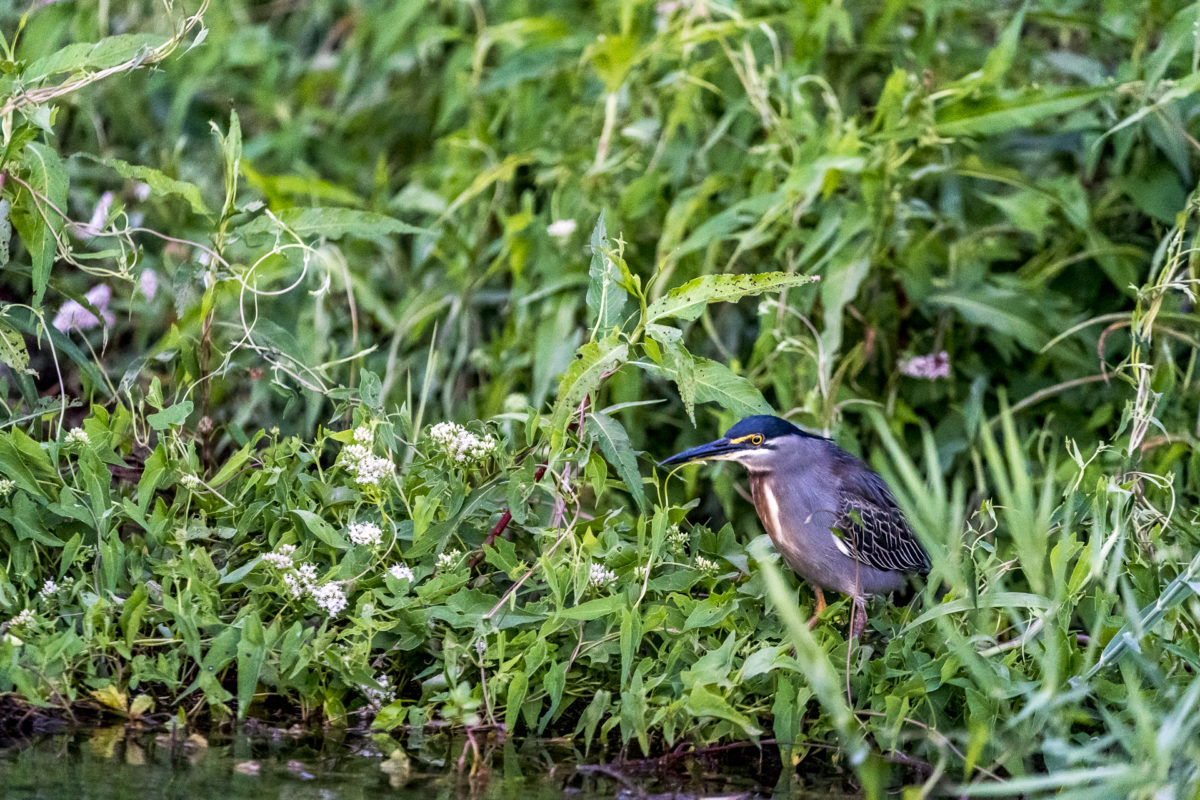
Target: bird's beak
720, 450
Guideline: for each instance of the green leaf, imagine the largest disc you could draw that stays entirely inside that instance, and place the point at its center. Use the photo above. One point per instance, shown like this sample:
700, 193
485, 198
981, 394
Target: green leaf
517, 688
990, 309
605, 295
593, 609
614, 444
593, 361
993, 115
716, 383
251, 654
704, 703
88, 56
35, 220
170, 416
330, 223
688, 301
159, 182
321, 529
12, 348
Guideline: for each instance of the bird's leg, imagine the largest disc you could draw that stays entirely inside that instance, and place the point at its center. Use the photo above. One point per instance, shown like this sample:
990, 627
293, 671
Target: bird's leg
812, 623
858, 617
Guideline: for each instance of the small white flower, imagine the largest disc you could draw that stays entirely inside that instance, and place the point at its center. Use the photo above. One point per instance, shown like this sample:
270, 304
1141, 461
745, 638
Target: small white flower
378, 698
449, 559
364, 533
192, 482
601, 576
22, 620
49, 589
301, 580
363, 436
401, 572
77, 436
373, 469
6, 487
706, 565
459, 445
678, 541
561, 228
280, 560
330, 597
641, 572
480, 646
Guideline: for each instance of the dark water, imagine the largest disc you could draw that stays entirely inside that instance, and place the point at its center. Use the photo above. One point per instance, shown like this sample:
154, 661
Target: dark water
117, 763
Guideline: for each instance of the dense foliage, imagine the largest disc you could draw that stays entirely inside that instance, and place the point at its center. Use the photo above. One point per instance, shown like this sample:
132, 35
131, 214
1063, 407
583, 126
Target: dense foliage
342, 338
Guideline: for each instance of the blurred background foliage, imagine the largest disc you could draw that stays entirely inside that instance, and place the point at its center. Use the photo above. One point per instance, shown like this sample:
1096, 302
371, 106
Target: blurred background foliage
406, 190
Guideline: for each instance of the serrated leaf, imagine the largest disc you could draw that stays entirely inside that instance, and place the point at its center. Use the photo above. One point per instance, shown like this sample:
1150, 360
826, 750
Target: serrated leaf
716, 383
614, 443
688, 301
159, 182
605, 296
331, 223
593, 361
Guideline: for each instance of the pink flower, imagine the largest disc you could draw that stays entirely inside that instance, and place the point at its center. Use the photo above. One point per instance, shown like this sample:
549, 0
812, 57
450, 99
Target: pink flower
74, 315
929, 367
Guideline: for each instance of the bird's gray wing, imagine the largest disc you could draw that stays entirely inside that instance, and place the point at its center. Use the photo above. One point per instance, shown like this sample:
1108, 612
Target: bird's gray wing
873, 526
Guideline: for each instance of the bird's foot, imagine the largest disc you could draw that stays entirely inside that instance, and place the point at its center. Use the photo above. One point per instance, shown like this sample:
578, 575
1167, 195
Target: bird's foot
816, 617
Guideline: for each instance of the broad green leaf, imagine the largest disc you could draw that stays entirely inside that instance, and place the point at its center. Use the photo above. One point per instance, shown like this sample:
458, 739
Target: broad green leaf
35, 220
995, 315
89, 56
159, 182
170, 416
322, 529
705, 703
12, 348
716, 383
518, 686
251, 654
594, 609
330, 223
688, 301
610, 434
594, 360
1000, 58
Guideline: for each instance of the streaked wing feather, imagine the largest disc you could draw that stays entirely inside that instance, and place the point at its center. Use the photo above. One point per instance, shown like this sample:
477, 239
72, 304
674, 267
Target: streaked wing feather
879, 535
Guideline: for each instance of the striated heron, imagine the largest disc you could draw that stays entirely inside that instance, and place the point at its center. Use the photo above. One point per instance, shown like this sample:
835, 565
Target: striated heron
832, 518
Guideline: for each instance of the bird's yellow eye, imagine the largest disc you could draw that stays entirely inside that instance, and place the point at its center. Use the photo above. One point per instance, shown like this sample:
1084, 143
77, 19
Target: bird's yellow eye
756, 439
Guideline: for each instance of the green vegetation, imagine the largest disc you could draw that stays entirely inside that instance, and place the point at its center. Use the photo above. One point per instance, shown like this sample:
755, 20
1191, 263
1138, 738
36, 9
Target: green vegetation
588, 235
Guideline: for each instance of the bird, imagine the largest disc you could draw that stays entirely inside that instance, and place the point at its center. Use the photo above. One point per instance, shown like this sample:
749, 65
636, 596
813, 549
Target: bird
832, 518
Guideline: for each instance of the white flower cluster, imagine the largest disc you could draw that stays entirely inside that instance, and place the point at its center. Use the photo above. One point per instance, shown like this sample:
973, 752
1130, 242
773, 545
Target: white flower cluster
77, 436
364, 436
6, 487
561, 228
192, 482
330, 597
49, 589
401, 572
641, 572
707, 566
449, 559
678, 541
301, 580
21, 620
460, 445
378, 698
481, 646
601, 577
365, 533
282, 558
366, 467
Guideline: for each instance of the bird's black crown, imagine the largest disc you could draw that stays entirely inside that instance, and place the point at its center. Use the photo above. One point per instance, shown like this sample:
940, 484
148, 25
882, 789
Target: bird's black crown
766, 425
